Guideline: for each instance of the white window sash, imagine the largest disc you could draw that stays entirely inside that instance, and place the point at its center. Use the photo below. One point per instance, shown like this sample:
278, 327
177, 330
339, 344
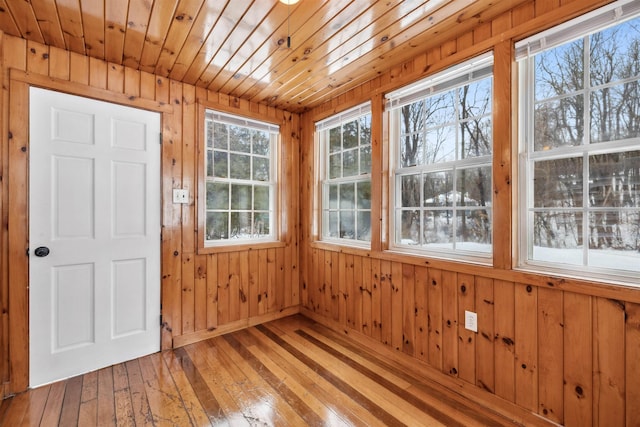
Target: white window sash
475, 69
582, 26
274, 131
231, 119
466, 72
590, 23
344, 117
322, 128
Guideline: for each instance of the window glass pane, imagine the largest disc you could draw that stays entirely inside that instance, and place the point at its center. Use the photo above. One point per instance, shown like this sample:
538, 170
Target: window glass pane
604, 230
220, 136
217, 225
474, 186
333, 196
241, 225
613, 240
260, 169
624, 260
240, 197
333, 230
412, 150
559, 71
440, 109
364, 195
475, 137
365, 159
365, 130
335, 140
473, 230
614, 179
621, 40
412, 118
208, 134
615, 112
438, 228
559, 123
335, 166
347, 225
350, 135
347, 196
409, 232
350, 163
240, 166
364, 226
217, 196
558, 183
220, 164
475, 99
440, 145
239, 139
438, 188
209, 163
410, 190
557, 236
261, 226
261, 143
261, 200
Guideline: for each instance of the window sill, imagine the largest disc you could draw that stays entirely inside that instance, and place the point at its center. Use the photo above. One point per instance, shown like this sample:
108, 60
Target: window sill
231, 247
336, 246
483, 260
622, 279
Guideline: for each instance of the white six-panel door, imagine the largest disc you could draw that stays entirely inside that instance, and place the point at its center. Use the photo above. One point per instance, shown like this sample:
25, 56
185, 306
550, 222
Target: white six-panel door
94, 204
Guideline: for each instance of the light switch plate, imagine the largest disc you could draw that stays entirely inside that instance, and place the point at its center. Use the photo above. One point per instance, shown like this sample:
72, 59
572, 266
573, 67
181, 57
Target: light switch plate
471, 321
180, 195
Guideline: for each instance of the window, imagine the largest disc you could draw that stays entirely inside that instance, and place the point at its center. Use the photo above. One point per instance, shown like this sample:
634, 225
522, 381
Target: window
240, 179
346, 179
441, 132
580, 145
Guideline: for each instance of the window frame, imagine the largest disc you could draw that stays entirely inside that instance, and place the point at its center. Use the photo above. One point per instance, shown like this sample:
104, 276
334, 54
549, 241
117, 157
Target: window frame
324, 126
278, 204
526, 50
476, 69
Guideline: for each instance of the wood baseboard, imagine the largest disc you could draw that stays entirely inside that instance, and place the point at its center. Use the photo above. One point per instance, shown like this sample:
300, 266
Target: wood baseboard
185, 339
428, 373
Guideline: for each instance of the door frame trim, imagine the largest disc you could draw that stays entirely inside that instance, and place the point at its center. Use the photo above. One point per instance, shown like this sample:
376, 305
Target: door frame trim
18, 202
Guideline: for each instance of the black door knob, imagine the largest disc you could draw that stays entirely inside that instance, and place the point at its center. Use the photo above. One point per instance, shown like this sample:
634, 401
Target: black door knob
41, 251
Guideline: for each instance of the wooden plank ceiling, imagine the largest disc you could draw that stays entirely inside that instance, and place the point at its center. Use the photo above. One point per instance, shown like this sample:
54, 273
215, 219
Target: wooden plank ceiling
239, 47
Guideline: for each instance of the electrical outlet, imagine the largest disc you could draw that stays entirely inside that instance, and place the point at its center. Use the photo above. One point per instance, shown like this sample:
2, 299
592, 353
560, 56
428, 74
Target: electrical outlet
180, 195
471, 321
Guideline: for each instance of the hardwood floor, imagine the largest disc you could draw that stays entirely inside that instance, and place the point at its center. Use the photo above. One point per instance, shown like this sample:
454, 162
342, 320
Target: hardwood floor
287, 372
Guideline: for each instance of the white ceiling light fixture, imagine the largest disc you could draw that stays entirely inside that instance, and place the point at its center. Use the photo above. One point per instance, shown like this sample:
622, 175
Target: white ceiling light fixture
289, 1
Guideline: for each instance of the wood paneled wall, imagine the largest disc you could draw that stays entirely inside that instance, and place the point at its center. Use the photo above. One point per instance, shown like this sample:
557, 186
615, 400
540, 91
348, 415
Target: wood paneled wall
203, 294
567, 350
